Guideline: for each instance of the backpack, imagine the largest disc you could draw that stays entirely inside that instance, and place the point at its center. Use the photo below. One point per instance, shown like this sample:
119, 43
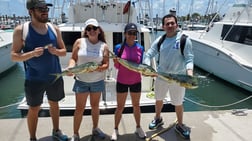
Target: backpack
182, 44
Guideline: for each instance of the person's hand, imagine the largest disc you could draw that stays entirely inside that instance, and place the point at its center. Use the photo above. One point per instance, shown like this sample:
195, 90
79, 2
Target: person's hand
99, 69
68, 72
51, 49
116, 60
38, 51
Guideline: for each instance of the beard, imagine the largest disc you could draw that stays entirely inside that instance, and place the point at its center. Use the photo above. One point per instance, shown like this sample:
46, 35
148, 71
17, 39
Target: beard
41, 18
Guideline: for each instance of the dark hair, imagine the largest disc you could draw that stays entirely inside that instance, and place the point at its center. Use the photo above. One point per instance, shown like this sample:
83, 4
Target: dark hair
101, 36
169, 16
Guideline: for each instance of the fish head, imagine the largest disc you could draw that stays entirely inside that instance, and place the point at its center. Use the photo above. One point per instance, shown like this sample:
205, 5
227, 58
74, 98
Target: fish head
190, 83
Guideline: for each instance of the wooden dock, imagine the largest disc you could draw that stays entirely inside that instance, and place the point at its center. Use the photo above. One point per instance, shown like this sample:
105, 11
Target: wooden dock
205, 126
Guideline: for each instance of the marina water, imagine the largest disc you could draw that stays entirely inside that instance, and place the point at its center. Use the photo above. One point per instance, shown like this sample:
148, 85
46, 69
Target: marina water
212, 94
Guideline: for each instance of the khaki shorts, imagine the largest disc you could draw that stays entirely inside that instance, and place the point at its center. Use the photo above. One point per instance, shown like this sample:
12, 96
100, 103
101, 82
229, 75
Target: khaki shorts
173, 90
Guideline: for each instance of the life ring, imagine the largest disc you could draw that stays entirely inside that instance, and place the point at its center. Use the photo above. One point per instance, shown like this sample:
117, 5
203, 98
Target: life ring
126, 7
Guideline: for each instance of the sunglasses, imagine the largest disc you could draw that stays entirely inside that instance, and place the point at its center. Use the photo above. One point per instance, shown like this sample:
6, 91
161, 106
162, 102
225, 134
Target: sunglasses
133, 33
42, 9
89, 28
170, 23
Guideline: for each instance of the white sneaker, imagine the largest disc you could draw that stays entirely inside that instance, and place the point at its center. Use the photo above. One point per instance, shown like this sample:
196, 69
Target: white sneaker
140, 133
114, 135
75, 138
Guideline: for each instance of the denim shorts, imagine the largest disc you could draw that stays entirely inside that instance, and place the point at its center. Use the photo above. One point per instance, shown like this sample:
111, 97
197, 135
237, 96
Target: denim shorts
35, 90
82, 87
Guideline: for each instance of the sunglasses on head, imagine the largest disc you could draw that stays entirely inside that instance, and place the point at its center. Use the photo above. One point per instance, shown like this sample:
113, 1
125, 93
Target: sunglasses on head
42, 9
170, 23
89, 28
134, 33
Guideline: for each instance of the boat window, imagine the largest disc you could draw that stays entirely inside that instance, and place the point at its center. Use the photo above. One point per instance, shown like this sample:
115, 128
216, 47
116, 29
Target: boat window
69, 38
117, 38
142, 39
239, 34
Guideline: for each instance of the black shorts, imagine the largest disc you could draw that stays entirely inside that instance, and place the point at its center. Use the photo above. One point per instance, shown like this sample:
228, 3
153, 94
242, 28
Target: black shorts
35, 90
121, 88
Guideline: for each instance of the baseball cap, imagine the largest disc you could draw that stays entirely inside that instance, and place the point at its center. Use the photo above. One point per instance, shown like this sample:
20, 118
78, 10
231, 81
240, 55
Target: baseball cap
130, 26
91, 22
36, 3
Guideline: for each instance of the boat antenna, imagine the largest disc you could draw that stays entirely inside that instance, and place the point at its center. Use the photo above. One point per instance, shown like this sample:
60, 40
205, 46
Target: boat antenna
211, 22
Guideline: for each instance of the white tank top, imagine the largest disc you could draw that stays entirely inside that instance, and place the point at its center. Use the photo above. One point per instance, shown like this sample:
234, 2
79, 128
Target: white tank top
89, 52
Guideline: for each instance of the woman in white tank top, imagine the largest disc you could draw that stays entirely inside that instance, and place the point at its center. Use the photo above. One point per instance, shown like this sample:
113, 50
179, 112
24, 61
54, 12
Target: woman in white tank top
91, 47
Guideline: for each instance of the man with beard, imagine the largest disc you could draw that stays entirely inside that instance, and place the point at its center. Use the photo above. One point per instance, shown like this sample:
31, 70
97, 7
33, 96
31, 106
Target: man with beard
40, 50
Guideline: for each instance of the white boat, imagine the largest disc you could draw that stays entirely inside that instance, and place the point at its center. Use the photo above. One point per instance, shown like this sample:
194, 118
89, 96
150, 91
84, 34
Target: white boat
5, 49
112, 19
225, 50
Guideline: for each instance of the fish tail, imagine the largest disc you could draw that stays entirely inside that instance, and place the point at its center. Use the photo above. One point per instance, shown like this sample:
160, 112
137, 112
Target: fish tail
57, 75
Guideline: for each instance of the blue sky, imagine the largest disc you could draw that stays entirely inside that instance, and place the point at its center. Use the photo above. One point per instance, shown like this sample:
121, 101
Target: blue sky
17, 7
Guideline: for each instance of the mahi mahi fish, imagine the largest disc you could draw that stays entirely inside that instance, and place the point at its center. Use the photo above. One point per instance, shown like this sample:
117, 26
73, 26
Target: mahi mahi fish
83, 68
140, 68
190, 82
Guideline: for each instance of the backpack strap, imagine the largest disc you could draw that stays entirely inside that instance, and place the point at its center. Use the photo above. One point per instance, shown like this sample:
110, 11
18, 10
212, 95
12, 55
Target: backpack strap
161, 40
182, 43
52, 28
25, 29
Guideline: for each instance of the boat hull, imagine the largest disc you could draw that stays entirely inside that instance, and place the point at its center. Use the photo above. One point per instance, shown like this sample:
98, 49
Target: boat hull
5, 50
216, 61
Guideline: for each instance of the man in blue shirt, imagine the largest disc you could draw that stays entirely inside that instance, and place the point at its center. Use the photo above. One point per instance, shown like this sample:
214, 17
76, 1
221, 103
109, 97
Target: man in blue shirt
40, 50
171, 60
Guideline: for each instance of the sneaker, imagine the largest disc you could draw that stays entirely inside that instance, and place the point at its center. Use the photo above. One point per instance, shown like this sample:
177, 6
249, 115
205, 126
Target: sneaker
155, 123
98, 132
58, 135
33, 139
75, 138
114, 135
183, 131
141, 134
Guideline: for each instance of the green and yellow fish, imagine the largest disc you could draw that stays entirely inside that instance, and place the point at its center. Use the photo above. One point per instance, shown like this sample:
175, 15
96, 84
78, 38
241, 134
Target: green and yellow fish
143, 69
83, 68
189, 82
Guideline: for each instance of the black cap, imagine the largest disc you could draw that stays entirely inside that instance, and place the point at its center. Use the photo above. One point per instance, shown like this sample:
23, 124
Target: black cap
130, 26
36, 3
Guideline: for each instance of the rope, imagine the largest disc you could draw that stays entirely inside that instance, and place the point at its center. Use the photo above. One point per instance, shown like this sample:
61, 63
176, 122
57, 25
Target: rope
218, 106
13, 104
